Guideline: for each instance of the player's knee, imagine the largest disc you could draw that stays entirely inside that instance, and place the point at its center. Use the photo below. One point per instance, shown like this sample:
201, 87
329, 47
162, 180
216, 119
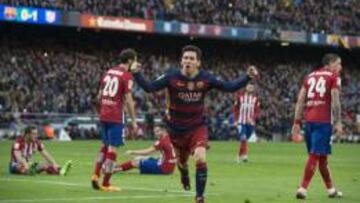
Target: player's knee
136, 162
200, 154
108, 166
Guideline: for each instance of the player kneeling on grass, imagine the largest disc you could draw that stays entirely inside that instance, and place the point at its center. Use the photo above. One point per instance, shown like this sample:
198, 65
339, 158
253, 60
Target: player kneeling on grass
24, 148
149, 165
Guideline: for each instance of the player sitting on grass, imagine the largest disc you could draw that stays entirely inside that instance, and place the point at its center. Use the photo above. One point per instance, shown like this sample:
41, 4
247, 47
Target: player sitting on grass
24, 148
149, 165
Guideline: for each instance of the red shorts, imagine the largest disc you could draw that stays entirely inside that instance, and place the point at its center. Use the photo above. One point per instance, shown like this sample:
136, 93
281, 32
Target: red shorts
185, 144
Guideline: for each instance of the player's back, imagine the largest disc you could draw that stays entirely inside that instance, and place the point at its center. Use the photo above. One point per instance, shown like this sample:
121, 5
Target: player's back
115, 83
318, 86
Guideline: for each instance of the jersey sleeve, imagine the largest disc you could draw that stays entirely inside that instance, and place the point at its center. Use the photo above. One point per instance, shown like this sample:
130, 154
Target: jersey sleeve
157, 145
336, 82
152, 86
128, 83
228, 86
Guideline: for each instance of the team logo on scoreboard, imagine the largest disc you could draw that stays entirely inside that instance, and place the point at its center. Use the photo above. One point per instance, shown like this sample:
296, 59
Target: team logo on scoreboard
50, 16
10, 13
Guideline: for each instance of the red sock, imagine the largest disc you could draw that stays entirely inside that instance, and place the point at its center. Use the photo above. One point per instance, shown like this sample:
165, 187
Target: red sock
109, 163
309, 170
99, 163
52, 170
243, 148
325, 171
125, 166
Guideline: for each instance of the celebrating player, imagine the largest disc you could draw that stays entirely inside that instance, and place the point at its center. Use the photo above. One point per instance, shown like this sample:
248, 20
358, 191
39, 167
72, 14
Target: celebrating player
187, 88
25, 147
148, 165
246, 111
115, 91
320, 96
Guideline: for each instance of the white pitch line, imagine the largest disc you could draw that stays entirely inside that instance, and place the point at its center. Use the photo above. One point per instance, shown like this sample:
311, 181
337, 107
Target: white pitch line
95, 198
88, 186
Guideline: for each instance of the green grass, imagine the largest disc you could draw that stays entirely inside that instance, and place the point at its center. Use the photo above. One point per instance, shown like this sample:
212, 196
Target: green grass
272, 175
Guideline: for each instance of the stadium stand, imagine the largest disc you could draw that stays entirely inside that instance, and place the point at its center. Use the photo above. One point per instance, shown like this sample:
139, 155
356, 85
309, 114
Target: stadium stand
60, 74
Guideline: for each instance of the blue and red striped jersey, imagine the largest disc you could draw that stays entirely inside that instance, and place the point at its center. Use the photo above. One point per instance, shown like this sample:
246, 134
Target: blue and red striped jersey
186, 95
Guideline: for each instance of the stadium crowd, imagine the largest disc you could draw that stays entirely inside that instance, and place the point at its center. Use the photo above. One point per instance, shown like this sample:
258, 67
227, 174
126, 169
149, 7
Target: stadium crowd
63, 78
336, 16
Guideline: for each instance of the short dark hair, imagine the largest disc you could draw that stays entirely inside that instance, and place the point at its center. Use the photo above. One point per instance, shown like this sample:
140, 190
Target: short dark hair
193, 48
126, 55
161, 125
29, 128
329, 58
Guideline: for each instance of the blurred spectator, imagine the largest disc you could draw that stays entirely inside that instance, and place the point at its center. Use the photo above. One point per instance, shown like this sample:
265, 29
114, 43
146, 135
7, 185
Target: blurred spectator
47, 76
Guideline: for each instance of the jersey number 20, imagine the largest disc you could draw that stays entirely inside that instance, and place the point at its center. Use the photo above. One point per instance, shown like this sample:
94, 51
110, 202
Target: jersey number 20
316, 86
111, 86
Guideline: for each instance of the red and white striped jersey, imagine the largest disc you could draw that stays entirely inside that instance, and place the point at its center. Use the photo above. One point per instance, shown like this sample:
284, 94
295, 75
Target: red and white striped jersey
246, 108
27, 149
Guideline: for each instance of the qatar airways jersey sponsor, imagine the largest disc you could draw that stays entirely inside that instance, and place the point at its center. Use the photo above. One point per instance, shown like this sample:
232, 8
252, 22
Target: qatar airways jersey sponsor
115, 83
318, 86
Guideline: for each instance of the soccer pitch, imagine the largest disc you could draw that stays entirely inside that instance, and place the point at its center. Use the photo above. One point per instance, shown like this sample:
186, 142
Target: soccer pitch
272, 175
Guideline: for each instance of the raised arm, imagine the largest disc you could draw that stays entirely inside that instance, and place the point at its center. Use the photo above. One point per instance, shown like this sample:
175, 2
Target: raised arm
234, 85
230, 86
151, 86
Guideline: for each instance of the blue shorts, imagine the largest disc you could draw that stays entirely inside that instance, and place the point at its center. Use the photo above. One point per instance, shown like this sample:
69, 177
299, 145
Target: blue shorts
245, 131
318, 138
112, 134
150, 166
13, 169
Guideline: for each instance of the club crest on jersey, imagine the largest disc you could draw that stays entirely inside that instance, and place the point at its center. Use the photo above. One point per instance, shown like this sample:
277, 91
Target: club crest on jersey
191, 85
200, 85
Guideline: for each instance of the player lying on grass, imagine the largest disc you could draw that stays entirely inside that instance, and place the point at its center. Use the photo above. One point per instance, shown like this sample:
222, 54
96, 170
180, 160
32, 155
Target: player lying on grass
24, 148
149, 165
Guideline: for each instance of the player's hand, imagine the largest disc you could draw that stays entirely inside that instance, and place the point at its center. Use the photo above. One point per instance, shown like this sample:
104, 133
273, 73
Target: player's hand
295, 129
250, 121
236, 123
134, 67
128, 152
134, 126
252, 72
339, 131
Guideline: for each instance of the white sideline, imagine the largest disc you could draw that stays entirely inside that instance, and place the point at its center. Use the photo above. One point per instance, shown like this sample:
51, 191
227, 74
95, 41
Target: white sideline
95, 198
88, 186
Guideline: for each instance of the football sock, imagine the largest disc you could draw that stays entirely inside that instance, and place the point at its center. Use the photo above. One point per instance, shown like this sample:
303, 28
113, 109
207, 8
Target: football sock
309, 170
100, 160
201, 177
243, 148
325, 171
125, 166
109, 166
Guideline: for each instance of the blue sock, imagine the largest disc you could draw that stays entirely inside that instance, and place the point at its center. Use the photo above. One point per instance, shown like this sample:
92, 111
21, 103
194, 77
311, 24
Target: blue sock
201, 177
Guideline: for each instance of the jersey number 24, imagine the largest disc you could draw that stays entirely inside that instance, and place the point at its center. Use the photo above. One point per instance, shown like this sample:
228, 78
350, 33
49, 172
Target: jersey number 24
316, 86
